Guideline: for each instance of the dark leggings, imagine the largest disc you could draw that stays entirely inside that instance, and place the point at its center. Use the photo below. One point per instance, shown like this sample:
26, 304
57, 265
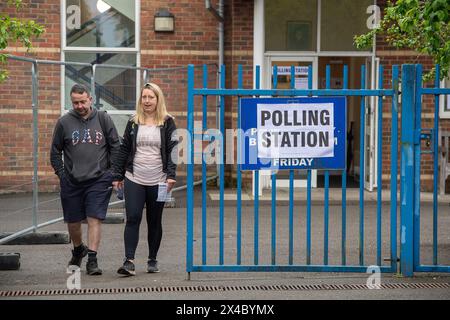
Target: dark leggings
136, 196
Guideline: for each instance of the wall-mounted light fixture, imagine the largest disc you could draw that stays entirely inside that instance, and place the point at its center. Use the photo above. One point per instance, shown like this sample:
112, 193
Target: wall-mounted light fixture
164, 21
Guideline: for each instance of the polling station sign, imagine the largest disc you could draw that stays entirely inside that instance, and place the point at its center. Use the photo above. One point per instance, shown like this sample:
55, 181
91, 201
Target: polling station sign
293, 133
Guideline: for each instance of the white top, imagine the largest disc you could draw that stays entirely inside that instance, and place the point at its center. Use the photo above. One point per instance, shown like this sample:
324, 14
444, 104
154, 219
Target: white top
147, 164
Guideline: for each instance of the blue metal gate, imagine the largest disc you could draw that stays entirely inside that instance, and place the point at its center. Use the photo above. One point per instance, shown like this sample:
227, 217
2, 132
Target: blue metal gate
207, 253
412, 151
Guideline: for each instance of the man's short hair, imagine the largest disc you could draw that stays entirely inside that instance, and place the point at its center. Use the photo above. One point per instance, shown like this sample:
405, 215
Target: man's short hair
80, 89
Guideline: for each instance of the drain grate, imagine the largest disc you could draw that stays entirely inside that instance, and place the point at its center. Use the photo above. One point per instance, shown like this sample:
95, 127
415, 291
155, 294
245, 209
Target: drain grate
291, 287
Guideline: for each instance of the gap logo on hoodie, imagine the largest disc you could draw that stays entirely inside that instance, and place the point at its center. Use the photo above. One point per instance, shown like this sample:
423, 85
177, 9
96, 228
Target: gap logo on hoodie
85, 136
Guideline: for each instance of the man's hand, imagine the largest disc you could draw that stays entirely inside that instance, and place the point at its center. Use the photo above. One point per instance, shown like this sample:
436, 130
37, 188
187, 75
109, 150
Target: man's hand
170, 184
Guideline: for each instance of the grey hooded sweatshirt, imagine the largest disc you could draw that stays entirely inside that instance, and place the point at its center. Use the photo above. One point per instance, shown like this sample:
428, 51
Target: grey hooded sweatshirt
87, 147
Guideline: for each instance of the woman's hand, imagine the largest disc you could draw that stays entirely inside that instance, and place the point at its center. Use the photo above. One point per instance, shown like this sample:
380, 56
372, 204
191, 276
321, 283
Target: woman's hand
117, 185
170, 184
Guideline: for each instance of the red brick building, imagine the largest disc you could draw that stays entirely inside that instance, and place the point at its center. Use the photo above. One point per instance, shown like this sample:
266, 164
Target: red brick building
255, 32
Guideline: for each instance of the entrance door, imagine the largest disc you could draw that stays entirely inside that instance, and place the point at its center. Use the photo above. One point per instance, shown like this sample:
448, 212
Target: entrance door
284, 82
354, 63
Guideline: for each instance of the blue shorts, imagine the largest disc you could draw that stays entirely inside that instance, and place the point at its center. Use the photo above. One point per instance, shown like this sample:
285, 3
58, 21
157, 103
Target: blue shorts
86, 199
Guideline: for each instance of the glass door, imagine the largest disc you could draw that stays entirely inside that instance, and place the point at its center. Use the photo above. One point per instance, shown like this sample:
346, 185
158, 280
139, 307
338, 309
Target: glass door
284, 64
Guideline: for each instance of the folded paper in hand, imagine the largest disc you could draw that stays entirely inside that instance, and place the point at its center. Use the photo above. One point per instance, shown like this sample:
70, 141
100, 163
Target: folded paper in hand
163, 196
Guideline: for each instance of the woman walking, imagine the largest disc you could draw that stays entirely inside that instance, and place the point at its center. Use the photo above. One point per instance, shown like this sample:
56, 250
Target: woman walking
142, 166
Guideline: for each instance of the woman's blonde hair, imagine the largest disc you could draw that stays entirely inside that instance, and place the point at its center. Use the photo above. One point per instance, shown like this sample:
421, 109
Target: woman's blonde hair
161, 110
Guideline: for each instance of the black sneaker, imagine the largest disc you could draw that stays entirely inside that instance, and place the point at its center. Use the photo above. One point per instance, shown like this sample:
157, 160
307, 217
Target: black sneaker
78, 257
127, 269
152, 266
92, 268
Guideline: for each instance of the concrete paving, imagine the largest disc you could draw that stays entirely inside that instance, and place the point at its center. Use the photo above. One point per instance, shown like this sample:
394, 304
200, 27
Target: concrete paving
43, 267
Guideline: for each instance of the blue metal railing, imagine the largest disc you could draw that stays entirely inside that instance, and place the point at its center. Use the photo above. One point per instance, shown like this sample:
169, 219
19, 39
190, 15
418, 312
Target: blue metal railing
394, 171
256, 192
222, 168
204, 185
273, 225
239, 178
344, 192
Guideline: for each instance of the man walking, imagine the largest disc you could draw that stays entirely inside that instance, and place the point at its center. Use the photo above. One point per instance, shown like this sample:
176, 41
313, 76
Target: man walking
88, 139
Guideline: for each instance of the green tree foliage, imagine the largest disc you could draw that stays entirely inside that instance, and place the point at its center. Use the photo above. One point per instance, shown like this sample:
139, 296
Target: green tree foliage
420, 25
13, 29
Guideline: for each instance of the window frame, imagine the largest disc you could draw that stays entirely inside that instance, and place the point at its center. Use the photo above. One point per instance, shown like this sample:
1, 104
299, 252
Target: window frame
71, 49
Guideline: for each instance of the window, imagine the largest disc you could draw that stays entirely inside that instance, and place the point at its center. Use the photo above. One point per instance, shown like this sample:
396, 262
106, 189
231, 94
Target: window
102, 32
290, 25
340, 21
315, 25
91, 23
115, 87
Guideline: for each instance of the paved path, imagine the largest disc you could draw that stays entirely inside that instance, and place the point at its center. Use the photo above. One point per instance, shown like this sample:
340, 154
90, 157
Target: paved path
43, 267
